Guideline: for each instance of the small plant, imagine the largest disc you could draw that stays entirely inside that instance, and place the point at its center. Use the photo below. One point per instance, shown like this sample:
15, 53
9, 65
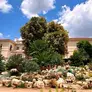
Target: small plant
62, 90
90, 74
22, 85
90, 66
73, 90
50, 90
41, 90
80, 77
57, 89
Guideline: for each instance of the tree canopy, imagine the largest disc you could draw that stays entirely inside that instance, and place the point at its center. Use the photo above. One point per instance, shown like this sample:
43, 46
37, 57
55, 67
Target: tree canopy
38, 29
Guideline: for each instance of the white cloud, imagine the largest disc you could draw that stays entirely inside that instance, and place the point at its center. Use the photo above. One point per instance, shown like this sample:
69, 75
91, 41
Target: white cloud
32, 8
77, 21
5, 7
1, 35
18, 39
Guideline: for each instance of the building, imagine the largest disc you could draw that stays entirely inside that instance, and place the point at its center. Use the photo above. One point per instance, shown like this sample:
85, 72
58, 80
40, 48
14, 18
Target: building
9, 47
72, 44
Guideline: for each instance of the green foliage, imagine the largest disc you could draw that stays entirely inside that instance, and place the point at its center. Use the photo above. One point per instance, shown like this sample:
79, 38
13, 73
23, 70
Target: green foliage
45, 55
76, 59
80, 77
15, 61
31, 66
22, 85
86, 46
38, 46
90, 66
33, 30
38, 29
83, 55
57, 37
2, 65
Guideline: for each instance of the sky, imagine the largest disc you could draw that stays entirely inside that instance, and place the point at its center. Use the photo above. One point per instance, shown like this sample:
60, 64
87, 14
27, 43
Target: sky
74, 15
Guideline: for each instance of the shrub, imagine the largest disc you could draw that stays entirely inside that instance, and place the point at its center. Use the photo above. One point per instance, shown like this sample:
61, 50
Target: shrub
45, 55
90, 66
76, 59
31, 66
80, 77
15, 61
2, 64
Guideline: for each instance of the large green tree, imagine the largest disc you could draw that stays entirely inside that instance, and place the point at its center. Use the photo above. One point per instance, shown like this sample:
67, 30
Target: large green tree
38, 29
57, 37
33, 30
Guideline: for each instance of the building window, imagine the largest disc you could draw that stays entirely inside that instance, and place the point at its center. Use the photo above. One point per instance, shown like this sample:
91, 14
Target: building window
10, 47
0, 46
17, 48
22, 48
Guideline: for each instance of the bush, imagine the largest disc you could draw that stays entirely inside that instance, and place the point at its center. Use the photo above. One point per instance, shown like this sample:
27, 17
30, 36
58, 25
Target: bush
80, 77
76, 59
15, 61
45, 55
90, 66
2, 64
31, 66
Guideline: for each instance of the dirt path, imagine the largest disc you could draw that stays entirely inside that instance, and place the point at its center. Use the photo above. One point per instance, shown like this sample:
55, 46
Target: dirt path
4, 89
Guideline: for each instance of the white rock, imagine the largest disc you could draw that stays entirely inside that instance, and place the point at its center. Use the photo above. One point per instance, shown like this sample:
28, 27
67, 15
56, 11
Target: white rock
60, 81
15, 82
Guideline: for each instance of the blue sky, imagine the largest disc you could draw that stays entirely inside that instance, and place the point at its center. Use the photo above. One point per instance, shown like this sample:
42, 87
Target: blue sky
74, 15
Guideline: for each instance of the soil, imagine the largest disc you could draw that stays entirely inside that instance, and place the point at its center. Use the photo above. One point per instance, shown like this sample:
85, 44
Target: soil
5, 89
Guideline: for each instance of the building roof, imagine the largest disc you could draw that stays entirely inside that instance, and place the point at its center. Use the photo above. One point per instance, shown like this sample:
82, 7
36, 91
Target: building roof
70, 39
7, 40
79, 39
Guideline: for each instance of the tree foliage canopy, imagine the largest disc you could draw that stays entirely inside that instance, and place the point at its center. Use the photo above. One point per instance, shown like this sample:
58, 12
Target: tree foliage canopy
57, 37
38, 29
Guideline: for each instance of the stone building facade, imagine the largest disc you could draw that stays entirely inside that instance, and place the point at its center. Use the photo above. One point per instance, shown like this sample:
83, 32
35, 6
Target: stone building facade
9, 47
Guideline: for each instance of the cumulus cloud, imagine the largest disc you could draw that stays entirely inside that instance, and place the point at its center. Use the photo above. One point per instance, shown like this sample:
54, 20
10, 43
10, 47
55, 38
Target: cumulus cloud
32, 8
5, 7
77, 21
18, 39
1, 35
